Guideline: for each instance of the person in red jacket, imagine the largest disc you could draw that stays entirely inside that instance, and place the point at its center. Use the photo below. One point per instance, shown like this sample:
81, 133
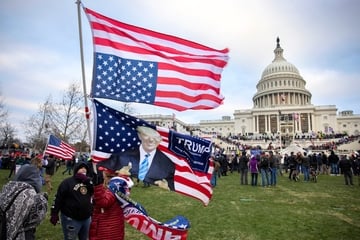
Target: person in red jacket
107, 220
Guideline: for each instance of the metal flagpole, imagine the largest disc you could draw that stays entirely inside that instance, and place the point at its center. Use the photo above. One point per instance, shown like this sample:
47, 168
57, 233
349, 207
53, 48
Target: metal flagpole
87, 111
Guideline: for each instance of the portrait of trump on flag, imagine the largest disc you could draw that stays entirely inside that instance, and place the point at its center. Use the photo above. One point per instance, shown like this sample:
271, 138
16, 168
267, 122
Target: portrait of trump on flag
148, 163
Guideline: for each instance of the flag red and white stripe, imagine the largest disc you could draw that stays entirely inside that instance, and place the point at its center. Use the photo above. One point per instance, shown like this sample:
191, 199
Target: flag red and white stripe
187, 181
188, 74
59, 148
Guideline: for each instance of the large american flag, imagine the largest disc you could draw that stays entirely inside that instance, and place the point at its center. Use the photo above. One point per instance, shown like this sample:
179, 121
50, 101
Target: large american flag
59, 148
133, 64
115, 132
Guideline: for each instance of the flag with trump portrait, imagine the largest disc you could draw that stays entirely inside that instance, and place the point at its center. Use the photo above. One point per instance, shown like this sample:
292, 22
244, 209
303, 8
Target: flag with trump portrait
115, 132
133, 64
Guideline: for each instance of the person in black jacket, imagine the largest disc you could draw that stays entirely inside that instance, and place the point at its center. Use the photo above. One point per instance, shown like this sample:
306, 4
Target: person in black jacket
73, 201
345, 166
49, 172
264, 170
243, 167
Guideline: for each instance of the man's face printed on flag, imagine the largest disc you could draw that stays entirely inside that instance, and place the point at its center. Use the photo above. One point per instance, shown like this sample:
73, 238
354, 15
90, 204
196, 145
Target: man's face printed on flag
150, 138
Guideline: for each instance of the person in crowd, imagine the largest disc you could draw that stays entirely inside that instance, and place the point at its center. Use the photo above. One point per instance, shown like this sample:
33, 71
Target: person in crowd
243, 166
215, 173
355, 164
149, 164
333, 161
279, 165
286, 162
345, 166
319, 163
68, 166
292, 166
254, 170
273, 166
73, 201
313, 165
234, 166
325, 163
57, 164
306, 167
12, 166
264, 170
49, 172
107, 221
298, 169
224, 164
25, 203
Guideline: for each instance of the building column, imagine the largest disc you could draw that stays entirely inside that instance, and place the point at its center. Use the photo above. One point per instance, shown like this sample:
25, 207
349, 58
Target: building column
255, 123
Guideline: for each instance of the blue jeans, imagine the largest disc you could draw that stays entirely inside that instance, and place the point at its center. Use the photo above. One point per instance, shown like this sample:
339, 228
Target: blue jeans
273, 176
264, 177
213, 180
334, 168
74, 229
306, 172
254, 177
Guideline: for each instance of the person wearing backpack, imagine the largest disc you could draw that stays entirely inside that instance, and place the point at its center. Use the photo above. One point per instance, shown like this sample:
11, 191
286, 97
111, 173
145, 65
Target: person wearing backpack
23, 203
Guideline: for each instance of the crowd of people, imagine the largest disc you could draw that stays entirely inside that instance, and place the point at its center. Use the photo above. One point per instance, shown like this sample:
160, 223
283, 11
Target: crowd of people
297, 166
87, 209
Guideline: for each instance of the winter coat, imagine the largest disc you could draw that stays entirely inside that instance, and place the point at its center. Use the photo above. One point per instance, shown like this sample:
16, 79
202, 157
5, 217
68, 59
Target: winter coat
28, 208
107, 221
253, 165
73, 197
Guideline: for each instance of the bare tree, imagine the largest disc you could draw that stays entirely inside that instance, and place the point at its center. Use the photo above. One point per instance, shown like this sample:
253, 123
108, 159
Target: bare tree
7, 134
3, 111
37, 127
67, 119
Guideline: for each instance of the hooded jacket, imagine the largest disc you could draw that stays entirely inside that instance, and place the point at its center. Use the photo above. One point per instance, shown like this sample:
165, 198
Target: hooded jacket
107, 221
29, 207
74, 196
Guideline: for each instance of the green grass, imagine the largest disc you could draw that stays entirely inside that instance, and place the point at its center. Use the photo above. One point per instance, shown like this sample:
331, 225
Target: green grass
293, 210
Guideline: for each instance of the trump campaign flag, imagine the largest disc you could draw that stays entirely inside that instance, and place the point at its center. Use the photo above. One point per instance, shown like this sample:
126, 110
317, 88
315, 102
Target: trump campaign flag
59, 148
133, 64
115, 132
136, 215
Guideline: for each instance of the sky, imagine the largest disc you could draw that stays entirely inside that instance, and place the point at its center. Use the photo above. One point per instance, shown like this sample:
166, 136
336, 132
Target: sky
40, 49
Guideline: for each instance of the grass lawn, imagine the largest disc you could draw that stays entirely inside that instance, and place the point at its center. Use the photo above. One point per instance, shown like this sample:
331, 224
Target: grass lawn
293, 210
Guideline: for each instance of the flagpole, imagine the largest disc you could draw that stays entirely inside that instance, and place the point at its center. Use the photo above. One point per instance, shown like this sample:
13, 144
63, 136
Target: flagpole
47, 143
87, 111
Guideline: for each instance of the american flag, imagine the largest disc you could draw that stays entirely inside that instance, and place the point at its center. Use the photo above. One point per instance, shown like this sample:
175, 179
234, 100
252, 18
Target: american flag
115, 132
59, 148
133, 64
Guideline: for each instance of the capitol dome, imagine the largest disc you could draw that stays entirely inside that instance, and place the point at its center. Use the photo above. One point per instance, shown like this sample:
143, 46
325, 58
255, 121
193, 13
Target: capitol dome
281, 84
279, 65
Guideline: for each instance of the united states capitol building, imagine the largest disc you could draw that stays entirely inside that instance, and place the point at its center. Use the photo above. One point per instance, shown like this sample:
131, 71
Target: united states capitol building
282, 111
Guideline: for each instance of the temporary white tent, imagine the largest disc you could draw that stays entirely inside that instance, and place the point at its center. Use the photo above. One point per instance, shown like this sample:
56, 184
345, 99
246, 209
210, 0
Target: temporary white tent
292, 148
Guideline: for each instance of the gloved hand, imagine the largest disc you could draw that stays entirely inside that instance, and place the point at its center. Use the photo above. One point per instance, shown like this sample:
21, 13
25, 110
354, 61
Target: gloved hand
97, 179
54, 219
83, 178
